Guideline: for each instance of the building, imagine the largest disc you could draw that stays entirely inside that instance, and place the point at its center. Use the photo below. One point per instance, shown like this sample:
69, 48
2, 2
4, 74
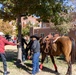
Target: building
31, 19
44, 29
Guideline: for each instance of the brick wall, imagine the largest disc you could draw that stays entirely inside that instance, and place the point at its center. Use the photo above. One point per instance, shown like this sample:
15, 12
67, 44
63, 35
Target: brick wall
39, 31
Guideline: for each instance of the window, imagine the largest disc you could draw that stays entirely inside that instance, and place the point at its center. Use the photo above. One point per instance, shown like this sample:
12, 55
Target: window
42, 34
53, 33
36, 34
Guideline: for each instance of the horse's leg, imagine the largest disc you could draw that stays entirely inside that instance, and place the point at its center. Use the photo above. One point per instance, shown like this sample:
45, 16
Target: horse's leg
42, 60
69, 71
53, 61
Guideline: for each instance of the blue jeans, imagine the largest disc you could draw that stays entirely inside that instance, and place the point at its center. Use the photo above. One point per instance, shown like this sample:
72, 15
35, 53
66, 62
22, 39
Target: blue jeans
3, 57
35, 63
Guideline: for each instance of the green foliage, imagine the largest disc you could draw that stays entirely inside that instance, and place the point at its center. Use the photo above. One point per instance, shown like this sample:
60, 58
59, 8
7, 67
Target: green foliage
25, 30
63, 28
6, 27
46, 9
32, 25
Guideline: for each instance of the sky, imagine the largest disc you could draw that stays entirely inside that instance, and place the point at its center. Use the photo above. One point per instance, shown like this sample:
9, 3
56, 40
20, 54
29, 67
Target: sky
0, 5
71, 3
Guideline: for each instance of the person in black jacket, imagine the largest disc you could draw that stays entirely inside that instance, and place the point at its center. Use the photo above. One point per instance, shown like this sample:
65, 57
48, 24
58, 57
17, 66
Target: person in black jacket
23, 41
28, 47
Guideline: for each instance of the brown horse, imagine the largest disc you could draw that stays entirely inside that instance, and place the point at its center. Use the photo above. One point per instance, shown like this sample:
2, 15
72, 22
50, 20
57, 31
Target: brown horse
63, 45
46, 50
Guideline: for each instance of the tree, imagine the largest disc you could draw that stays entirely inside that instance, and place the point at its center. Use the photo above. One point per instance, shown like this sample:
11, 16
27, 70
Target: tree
64, 28
6, 27
25, 30
46, 9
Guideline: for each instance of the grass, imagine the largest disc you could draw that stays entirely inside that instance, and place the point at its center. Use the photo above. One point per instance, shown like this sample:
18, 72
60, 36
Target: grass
25, 69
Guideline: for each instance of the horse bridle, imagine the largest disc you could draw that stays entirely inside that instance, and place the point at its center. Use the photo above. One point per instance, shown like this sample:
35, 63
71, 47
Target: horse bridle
47, 46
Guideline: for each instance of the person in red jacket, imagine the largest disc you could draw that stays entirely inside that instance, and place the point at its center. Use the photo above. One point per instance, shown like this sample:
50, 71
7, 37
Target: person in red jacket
4, 42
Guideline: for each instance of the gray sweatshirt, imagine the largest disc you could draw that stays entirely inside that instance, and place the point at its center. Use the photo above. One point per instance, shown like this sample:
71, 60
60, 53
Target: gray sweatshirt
36, 46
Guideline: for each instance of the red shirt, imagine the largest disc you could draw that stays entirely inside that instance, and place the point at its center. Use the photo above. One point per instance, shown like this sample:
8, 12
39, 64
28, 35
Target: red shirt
4, 42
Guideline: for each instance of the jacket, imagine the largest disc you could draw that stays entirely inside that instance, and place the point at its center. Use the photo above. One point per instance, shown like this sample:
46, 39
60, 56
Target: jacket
4, 42
36, 46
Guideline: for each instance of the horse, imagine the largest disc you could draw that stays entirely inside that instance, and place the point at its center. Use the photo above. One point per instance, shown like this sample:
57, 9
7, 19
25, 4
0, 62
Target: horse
44, 52
63, 45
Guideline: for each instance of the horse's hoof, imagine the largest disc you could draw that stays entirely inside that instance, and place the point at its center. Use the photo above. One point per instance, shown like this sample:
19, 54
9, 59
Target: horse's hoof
67, 74
56, 71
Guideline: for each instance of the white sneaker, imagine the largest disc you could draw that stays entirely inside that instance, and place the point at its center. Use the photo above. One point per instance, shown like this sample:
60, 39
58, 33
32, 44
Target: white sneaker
39, 70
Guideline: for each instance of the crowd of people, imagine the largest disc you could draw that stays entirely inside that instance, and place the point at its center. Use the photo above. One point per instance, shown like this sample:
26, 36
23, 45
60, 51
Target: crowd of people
32, 44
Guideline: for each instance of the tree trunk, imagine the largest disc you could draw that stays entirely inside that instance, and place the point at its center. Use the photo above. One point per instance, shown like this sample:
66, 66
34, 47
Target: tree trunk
19, 58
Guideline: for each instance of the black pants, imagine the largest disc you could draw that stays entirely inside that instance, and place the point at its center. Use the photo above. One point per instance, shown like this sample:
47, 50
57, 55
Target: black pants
23, 54
3, 57
26, 52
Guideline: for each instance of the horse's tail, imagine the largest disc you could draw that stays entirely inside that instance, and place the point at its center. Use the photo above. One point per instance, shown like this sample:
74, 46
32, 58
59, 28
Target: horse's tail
73, 51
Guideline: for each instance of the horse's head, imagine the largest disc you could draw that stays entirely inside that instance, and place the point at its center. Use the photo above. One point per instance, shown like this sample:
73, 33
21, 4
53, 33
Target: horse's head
44, 45
47, 41
47, 45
